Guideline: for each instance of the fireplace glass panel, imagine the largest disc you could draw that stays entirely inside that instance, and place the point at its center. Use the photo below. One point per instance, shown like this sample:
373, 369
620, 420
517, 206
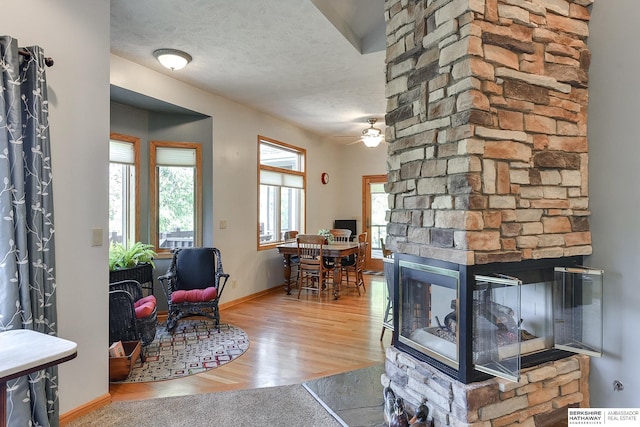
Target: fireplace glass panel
578, 310
496, 320
429, 314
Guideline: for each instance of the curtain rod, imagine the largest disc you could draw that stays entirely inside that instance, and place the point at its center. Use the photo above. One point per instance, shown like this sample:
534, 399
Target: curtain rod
47, 61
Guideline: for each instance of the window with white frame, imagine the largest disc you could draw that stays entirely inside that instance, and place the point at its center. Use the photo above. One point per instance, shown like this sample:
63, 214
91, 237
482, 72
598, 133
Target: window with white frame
281, 196
124, 161
176, 195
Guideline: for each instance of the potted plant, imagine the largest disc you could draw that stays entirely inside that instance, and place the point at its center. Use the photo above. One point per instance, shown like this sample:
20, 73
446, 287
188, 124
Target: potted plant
134, 262
138, 253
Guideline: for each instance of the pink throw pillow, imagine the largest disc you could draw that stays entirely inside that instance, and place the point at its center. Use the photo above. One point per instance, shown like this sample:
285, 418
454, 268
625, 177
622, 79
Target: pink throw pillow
145, 309
148, 298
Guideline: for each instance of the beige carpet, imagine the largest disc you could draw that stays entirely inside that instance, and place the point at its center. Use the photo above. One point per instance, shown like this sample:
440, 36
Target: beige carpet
273, 406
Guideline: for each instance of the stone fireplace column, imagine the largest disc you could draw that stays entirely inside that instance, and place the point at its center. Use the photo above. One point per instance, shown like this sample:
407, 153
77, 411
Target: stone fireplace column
488, 163
487, 125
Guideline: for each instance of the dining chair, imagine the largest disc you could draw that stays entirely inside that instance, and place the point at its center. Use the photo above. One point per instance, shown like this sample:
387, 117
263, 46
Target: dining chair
357, 268
294, 261
340, 234
312, 273
386, 253
290, 235
387, 320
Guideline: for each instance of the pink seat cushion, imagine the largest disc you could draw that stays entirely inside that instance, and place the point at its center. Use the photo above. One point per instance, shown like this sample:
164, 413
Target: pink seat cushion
149, 298
194, 295
144, 306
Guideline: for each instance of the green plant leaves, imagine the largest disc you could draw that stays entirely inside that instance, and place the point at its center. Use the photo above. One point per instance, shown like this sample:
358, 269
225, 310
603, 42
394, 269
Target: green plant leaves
138, 253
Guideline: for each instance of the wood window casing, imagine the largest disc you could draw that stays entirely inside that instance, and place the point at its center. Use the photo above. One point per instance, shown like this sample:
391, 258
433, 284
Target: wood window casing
154, 193
135, 141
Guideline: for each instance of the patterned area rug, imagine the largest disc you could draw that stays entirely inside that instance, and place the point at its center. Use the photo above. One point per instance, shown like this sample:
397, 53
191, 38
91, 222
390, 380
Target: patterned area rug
195, 346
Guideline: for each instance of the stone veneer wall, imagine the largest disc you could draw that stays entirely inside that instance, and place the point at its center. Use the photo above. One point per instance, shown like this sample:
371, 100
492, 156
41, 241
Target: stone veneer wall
487, 129
540, 398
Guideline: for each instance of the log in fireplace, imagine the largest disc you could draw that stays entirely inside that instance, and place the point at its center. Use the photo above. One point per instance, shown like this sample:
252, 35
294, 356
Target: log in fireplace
476, 321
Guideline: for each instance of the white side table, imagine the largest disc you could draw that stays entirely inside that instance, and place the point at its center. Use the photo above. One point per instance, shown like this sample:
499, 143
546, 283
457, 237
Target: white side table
23, 351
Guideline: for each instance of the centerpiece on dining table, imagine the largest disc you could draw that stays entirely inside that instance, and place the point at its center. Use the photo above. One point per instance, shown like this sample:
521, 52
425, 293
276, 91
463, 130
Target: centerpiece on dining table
326, 234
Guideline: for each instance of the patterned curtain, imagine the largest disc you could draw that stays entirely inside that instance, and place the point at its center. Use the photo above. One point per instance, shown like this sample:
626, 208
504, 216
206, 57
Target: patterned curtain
27, 267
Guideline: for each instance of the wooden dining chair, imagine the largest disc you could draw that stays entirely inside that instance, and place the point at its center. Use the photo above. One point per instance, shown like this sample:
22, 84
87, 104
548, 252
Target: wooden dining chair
357, 268
340, 234
290, 235
312, 273
387, 253
293, 260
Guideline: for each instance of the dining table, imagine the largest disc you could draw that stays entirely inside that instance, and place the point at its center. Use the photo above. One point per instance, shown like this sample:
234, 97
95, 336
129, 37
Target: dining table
335, 250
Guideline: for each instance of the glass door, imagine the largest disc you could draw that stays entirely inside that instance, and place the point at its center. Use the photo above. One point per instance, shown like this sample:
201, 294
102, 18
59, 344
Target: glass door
374, 210
577, 310
496, 335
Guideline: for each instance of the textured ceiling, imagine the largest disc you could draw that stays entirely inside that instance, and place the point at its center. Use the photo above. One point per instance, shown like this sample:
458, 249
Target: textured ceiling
299, 60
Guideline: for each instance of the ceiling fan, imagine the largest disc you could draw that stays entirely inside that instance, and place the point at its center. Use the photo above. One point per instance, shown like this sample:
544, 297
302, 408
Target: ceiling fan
371, 136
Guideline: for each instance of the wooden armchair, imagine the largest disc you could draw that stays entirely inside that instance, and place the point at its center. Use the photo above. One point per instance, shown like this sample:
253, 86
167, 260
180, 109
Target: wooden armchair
194, 284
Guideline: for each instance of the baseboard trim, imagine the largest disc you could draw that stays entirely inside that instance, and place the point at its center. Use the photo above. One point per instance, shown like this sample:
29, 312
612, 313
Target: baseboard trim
250, 297
162, 315
81, 410
105, 400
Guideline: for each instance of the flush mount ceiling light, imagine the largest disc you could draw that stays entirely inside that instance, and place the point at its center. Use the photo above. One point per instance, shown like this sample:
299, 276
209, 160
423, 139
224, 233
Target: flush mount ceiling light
172, 59
372, 136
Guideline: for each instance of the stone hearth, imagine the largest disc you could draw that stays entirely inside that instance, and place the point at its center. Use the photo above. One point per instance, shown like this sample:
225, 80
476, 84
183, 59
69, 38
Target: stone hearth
540, 398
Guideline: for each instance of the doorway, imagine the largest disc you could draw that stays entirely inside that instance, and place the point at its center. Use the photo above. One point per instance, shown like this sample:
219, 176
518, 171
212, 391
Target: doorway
375, 204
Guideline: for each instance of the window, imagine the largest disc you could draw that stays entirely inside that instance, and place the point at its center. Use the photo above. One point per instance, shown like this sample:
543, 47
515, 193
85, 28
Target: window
124, 162
176, 195
281, 195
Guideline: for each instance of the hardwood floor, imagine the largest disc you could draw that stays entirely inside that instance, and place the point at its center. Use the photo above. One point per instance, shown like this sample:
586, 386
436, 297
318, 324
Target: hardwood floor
291, 341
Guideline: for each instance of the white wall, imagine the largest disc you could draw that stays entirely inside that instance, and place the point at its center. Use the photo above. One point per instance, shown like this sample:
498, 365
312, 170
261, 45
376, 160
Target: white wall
76, 35
235, 130
614, 181
356, 161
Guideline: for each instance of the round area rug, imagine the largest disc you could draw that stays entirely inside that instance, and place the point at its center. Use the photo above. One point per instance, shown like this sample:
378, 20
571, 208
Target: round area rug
194, 346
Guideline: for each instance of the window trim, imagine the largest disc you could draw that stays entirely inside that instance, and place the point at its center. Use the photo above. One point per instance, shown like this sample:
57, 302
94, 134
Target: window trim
302, 173
136, 159
154, 219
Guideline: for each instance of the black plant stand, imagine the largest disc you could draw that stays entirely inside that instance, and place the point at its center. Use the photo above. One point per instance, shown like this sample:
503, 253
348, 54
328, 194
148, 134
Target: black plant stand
142, 273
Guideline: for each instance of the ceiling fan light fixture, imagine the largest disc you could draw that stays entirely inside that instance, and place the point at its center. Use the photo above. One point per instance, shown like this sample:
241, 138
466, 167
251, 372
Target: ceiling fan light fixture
371, 137
371, 141
172, 59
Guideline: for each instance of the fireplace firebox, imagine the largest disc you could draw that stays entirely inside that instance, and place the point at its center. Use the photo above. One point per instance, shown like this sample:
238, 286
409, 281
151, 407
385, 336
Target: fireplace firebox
476, 321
